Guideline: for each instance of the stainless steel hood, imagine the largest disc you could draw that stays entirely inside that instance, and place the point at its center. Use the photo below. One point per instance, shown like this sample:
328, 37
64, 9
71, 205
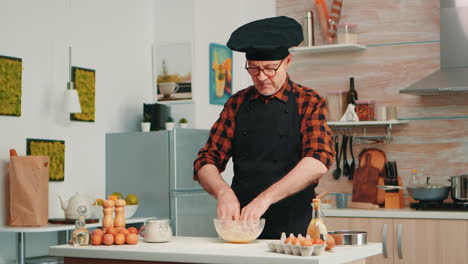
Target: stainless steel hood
452, 77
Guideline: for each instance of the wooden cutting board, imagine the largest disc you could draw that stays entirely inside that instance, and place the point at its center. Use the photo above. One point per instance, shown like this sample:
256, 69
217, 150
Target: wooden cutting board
65, 221
364, 183
377, 160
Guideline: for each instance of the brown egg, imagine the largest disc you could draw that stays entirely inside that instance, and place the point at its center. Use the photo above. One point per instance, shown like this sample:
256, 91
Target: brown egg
306, 243
132, 239
111, 230
96, 240
296, 241
290, 239
119, 239
108, 239
98, 231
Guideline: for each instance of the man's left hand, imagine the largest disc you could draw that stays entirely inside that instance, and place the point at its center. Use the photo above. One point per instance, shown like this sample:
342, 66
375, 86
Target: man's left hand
256, 208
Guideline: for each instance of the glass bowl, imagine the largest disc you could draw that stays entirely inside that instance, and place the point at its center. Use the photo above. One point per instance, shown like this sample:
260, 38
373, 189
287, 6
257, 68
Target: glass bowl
239, 231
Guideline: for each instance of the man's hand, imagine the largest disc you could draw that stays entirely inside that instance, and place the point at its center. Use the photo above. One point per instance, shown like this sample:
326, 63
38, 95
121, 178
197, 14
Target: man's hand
228, 205
256, 208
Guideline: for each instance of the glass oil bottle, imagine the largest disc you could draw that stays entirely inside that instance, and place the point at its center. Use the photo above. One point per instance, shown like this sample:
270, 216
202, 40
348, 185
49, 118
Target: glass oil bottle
316, 227
81, 235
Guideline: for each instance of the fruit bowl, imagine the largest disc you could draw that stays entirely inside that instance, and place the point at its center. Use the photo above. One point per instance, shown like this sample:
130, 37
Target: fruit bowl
239, 231
97, 212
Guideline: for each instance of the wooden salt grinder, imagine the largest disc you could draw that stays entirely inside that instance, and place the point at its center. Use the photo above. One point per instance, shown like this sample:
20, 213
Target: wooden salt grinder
119, 221
107, 220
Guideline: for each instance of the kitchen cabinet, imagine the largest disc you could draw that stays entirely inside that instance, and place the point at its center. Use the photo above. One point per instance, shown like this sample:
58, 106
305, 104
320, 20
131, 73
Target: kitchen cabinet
378, 230
427, 241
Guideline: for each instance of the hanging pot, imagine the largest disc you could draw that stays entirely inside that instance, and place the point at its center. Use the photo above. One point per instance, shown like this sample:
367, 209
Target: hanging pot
459, 188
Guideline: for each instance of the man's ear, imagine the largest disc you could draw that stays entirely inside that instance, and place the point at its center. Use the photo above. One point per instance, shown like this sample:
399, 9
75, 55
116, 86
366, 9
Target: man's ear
288, 60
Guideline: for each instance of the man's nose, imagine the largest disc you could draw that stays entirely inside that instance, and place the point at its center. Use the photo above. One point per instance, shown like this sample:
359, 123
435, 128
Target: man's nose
262, 76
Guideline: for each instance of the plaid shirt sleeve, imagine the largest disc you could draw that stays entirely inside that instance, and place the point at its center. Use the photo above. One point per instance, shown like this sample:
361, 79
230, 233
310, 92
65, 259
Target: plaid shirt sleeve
218, 148
317, 139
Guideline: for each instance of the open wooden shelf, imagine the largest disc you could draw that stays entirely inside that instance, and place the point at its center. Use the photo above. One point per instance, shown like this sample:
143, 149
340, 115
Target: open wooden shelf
329, 48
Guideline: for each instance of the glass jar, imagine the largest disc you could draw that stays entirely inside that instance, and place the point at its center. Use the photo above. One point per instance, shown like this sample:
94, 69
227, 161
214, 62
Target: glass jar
336, 104
156, 230
346, 33
365, 109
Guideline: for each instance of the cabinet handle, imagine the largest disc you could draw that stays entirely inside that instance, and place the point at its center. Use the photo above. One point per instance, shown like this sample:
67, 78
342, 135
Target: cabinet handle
399, 233
384, 241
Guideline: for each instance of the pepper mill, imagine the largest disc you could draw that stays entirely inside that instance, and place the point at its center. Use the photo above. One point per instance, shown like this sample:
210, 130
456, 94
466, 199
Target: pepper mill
119, 221
107, 220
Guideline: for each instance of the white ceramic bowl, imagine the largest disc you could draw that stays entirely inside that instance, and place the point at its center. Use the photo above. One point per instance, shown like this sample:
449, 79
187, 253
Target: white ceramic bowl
237, 231
97, 212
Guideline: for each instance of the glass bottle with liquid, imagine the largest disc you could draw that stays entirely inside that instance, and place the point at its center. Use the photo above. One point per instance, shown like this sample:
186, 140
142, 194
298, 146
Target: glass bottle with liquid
352, 93
316, 227
81, 235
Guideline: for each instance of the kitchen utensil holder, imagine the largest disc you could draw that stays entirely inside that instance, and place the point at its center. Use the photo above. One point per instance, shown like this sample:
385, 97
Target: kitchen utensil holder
365, 139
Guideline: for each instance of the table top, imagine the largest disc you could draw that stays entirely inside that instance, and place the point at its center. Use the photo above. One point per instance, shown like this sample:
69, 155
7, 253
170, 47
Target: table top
212, 250
54, 227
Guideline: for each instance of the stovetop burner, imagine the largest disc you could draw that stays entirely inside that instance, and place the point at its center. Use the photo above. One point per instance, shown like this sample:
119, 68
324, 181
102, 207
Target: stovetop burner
439, 206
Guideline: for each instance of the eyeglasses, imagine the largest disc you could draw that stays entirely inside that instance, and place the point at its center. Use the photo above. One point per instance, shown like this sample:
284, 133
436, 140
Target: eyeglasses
270, 72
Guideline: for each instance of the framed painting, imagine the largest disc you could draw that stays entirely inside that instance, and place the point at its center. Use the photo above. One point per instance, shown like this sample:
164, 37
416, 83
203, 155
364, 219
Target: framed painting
55, 149
173, 71
220, 68
85, 84
10, 85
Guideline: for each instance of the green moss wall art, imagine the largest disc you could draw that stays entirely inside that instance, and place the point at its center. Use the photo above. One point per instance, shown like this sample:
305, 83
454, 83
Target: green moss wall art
85, 84
10, 86
55, 149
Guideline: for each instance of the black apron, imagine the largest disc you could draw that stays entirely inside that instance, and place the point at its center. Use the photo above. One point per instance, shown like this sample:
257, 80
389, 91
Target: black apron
267, 145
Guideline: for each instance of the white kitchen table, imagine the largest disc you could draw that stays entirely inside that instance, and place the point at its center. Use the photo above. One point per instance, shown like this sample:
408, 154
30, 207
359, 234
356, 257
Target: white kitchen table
205, 250
21, 231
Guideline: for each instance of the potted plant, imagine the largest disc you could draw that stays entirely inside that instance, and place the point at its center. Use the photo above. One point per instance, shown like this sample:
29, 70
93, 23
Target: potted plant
146, 123
183, 123
169, 123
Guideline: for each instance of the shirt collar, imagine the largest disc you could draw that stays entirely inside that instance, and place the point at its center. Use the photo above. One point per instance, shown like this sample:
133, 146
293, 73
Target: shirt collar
282, 94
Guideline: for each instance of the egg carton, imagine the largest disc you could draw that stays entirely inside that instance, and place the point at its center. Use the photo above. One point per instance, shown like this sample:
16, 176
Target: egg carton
297, 250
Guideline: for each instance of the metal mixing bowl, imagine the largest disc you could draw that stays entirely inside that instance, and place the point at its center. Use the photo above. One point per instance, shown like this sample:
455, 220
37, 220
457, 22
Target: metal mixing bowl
348, 237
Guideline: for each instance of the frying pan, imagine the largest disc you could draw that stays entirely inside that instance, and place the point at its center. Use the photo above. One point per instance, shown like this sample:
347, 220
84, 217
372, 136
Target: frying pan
427, 192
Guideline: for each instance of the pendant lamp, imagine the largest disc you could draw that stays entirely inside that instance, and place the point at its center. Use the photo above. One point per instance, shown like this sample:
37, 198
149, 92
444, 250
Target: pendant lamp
71, 100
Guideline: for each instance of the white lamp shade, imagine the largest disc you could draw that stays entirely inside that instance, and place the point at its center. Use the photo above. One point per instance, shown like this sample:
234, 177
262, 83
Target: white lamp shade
71, 101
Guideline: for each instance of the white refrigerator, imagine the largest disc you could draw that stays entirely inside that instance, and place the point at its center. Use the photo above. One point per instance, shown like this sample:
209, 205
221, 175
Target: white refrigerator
158, 167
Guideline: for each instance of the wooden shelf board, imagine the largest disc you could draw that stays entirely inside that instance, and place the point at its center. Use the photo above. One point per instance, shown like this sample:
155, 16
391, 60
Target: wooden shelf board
329, 48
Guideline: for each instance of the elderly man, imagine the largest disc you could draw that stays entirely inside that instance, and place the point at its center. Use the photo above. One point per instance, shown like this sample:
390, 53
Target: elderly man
276, 133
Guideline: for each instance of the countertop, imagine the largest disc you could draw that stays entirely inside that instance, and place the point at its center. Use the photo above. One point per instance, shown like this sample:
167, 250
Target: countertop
54, 227
212, 250
396, 213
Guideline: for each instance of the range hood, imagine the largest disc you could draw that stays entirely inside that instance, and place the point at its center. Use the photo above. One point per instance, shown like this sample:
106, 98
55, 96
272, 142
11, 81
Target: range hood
452, 77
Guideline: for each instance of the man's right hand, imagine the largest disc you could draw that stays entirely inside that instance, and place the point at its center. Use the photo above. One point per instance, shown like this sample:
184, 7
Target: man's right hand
228, 205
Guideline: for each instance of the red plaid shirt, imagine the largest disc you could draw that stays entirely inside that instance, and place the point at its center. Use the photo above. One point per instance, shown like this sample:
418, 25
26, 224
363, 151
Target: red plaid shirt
316, 135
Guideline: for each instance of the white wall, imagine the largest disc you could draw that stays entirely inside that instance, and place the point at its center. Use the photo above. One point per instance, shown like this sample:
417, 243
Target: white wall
113, 37
214, 23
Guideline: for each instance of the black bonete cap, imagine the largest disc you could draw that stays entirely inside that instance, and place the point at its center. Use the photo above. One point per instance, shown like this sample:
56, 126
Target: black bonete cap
267, 39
